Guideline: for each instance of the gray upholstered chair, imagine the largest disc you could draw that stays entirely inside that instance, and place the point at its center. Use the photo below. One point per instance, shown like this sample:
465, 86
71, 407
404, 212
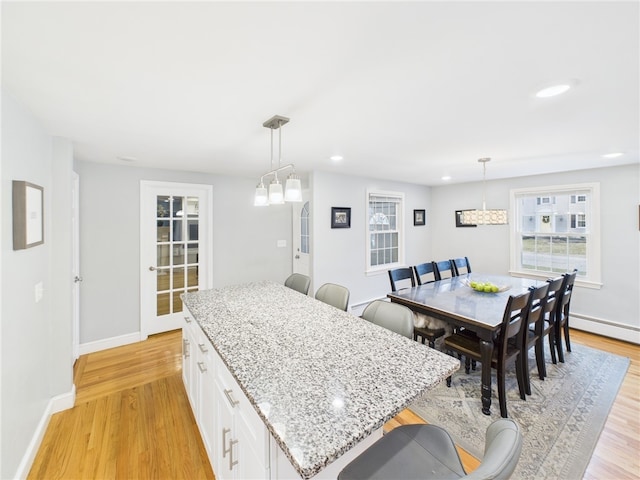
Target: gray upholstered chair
298, 282
335, 295
392, 316
427, 451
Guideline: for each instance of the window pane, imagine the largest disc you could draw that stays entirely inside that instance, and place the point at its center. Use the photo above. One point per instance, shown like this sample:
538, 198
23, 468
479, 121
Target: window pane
192, 207
192, 276
162, 304
192, 230
163, 255
178, 278
163, 277
162, 203
177, 302
177, 207
177, 230
192, 253
178, 254
162, 231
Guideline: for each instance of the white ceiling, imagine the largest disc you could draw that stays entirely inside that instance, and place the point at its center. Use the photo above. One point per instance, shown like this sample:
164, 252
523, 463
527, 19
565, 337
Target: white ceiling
405, 91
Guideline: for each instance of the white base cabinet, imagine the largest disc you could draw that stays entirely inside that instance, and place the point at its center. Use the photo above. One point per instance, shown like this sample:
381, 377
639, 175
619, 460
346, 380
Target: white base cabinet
236, 439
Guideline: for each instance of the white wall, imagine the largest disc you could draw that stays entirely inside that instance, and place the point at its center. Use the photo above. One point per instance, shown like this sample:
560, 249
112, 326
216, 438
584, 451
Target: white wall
35, 337
339, 254
244, 241
614, 309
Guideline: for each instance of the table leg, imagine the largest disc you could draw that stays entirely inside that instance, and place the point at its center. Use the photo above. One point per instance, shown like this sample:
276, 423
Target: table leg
486, 350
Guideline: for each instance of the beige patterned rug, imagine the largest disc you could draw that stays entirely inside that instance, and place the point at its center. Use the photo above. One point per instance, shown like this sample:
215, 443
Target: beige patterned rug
561, 421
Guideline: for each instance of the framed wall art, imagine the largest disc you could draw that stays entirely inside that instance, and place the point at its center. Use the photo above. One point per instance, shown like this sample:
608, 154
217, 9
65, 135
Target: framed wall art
340, 217
419, 217
28, 215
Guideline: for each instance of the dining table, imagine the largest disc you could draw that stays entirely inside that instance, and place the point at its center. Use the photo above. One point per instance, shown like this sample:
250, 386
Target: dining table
457, 303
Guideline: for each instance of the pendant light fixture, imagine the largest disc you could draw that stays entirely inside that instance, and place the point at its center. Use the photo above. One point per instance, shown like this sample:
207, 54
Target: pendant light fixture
292, 189
484, 216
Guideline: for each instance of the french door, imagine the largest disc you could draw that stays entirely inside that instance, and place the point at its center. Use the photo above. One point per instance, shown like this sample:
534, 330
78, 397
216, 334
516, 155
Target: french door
175, 250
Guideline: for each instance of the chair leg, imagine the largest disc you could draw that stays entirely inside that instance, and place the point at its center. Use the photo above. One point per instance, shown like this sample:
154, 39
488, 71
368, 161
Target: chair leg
552, 347
467, 364
432, 343
542, 367
473, 365
524, 369
521, 375
449, 381
559, 348
566, 335
502, 397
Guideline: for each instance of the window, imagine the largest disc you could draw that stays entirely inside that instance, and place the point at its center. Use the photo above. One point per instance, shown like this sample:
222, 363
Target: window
555, 230
385, 247
304, 228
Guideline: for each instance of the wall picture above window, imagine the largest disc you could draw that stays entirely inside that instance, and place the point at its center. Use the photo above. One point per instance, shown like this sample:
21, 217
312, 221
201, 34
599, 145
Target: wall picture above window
340, 217
419, 217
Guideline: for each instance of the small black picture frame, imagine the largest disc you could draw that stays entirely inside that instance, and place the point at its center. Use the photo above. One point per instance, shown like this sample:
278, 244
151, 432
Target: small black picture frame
340, 217
419, 217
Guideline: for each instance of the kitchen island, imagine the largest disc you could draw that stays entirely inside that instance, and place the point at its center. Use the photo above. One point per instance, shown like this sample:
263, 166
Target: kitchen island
320, 379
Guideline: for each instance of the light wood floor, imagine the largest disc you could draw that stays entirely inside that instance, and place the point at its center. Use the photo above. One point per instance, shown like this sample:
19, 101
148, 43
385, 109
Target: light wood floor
132, 419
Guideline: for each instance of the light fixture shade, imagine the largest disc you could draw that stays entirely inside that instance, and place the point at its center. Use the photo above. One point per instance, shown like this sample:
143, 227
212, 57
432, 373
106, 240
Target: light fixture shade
261, 198
275, 192
293, 189
484, 217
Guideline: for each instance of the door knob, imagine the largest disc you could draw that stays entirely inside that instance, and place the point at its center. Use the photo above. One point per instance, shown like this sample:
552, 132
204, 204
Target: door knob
77, 279
152, 269
297, 257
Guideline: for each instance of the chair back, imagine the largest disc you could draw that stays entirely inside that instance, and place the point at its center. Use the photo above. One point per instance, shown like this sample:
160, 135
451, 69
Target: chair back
335, 295
514, 323
461, 265
392, 316
555, 289
502, 449
425, 269
564, 301
444, 269
399, 274
537, 309
298, 282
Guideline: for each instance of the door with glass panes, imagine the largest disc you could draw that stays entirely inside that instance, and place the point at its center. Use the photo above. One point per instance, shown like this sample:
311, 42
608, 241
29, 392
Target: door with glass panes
175, 250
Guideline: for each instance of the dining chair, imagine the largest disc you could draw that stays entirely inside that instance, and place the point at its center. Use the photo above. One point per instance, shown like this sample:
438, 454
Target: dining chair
534, 334
298, 282
514, 324
444, 266
400, 274
425, 273
562, 314
335, 295
428, 451
461, 265
392, 316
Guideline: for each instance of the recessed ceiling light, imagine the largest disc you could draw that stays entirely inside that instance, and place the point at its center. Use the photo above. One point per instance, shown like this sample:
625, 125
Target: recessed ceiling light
612, 155
446, 177
553, 90
336, 158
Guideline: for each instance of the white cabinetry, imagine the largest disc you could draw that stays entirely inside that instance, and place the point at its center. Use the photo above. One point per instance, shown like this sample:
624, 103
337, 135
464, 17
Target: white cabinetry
198, 372
243, 451
234, 436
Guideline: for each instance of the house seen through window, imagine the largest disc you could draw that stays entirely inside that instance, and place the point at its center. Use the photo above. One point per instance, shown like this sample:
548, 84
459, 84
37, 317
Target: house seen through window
556, 230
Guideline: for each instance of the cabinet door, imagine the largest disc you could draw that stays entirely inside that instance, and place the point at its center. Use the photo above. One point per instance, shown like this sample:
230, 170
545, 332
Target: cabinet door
206, 393
223, 462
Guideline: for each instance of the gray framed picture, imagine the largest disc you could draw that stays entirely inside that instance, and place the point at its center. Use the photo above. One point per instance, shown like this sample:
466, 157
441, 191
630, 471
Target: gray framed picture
28, 215
419, 217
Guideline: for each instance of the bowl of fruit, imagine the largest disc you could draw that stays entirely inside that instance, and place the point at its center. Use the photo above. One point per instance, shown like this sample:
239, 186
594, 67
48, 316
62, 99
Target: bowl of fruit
487, 287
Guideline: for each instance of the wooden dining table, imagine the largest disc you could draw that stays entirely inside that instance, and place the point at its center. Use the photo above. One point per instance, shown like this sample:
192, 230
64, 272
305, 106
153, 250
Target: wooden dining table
454, 301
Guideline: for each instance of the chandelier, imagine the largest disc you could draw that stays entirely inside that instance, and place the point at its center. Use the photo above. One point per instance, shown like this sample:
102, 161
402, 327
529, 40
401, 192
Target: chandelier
274, 195
484, 216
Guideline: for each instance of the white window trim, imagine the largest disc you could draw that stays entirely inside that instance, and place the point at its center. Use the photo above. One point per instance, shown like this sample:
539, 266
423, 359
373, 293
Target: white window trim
369, 270
594, 264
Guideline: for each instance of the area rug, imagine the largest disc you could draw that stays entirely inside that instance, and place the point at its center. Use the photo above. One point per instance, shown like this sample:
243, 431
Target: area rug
561, 421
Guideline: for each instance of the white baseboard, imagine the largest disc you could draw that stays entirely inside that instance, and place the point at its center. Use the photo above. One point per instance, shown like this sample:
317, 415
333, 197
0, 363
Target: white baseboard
56, 404
358, 308
606, 328
112, 342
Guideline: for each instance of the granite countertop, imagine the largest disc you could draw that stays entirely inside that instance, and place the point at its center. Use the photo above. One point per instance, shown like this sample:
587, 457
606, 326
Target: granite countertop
320, 378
